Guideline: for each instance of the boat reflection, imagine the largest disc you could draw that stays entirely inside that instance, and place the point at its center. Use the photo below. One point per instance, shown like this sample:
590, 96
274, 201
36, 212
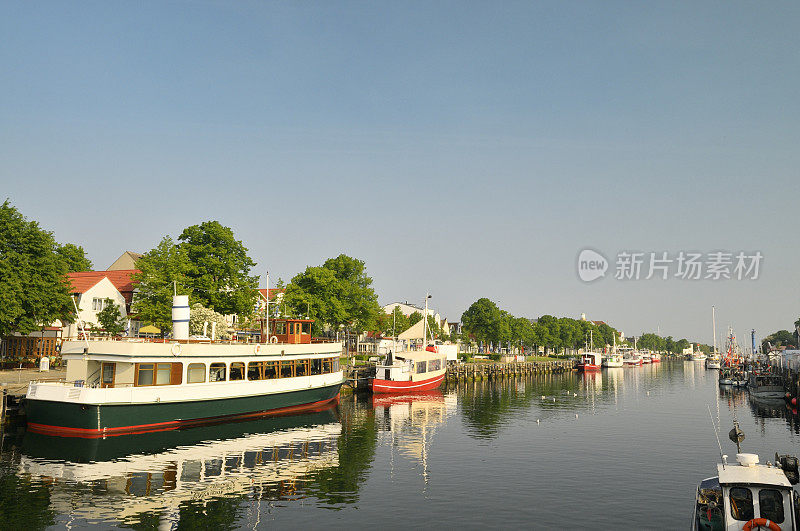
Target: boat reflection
160, 472
409, 421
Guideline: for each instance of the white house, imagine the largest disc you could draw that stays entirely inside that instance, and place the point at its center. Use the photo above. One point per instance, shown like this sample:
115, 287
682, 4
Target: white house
92, 288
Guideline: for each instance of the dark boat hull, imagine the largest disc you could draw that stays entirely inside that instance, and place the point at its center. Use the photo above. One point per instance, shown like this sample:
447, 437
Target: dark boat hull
91, 420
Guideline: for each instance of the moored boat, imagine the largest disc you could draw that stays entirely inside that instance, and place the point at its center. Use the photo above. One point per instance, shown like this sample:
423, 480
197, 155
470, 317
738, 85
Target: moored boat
116, 387
766, 385
590, 361
612, 360
632, 359
748, 495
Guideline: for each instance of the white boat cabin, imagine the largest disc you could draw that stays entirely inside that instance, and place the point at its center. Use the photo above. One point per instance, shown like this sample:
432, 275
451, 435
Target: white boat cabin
413, 366
746, 495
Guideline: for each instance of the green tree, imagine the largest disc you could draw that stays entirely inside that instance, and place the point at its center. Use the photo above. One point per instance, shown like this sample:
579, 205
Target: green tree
33, 287
414, 318
338, 293
162, 271
110, 318
219, 269
482, 320
74, 256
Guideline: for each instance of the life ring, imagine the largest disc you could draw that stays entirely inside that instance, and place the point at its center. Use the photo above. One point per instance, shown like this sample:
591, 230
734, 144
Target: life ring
759, 523
175, 349
273, 339
257, 348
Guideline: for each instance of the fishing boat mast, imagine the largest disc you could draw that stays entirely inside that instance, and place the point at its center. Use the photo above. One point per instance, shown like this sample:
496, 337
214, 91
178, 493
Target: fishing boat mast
714, 328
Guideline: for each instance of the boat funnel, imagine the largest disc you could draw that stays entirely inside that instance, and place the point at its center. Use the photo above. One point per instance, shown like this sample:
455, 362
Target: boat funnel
180, 317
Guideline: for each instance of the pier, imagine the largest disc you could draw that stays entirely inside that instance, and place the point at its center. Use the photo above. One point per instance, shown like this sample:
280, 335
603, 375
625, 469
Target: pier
495, 371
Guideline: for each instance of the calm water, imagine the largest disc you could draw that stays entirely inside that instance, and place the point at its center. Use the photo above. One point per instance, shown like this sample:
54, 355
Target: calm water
623, 448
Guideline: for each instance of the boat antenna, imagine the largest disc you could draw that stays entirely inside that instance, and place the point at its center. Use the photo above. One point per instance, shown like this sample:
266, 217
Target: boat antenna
716, 434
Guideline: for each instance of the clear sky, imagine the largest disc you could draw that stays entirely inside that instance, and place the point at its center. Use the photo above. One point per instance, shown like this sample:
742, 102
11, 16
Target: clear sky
468, 149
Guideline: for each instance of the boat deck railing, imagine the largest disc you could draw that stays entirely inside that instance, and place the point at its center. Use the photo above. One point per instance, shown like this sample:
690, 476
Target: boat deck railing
189, 341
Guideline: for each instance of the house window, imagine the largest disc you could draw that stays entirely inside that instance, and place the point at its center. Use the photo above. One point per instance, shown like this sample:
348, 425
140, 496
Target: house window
196, 373
97, 304
216, 372
237, 371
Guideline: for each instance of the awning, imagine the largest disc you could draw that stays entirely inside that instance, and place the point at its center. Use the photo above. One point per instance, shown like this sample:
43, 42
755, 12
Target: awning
149, 329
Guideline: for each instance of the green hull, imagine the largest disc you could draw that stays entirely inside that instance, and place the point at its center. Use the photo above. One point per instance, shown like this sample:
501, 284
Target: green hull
88, 420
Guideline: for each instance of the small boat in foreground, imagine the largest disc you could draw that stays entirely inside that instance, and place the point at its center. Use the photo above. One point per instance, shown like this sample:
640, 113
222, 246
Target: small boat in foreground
748, 495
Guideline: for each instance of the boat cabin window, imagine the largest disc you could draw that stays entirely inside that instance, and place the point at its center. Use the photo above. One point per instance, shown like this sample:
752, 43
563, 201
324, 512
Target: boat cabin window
770, 505
216, 372
237, 371
287, 368
316, 366
158, 373
280, 327
422, 366
196, 373
434, 365
307, 328
261, 370
741, 503
301, 368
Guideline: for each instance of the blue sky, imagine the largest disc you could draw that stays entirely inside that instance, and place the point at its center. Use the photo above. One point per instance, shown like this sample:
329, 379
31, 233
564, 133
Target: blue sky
465, 148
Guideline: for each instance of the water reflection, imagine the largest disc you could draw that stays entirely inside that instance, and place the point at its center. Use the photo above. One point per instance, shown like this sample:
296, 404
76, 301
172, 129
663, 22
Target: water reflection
425, 451
123, 478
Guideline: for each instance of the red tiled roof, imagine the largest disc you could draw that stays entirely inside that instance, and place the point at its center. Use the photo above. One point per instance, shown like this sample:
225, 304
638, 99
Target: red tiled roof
272, 291
84, 280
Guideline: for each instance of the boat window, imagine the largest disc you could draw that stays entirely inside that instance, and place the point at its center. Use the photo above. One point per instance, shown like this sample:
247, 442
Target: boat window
770, 504
316, 366
307, 328
741, 503
422, 366
144, 374
287, 368
196, 373
255, 370
280, 327
327, 365
237, 371
336, 364
434, 365
216, 372
163, 372
301, 368
270, 370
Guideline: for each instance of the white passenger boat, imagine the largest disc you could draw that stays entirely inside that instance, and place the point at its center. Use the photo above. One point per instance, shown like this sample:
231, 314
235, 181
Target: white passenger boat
612, 360
115, 387
748, 495
713, 362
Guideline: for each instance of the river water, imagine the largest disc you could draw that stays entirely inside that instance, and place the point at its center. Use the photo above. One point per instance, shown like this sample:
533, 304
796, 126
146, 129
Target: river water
624, 448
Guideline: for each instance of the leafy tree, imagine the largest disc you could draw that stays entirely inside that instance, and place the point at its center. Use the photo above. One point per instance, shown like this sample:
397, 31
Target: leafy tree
414, 318
200, 315
162, 271
482, 320
781, 338
33, 290
74, 256
338, 293
219, 269
110, 318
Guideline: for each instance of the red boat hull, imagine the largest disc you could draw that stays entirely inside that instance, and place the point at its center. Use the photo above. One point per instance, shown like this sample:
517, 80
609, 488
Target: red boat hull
588, 367
390, 386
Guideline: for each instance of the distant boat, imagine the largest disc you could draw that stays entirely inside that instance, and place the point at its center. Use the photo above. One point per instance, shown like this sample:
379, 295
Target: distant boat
590, 361
655, 357
713, 362
612, 360
632, 358
766, 385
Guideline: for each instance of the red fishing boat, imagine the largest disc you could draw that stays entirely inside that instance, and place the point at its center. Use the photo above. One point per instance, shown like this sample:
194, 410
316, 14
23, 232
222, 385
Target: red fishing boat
416, 370
591, 361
